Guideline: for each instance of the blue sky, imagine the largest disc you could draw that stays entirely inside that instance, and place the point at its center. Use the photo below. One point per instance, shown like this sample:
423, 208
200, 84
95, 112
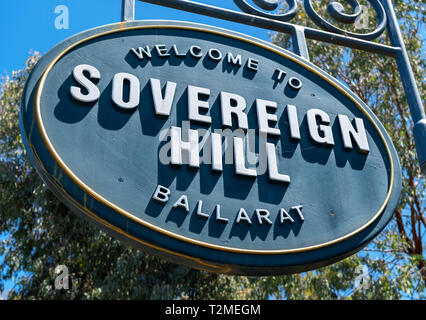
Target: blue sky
30, 25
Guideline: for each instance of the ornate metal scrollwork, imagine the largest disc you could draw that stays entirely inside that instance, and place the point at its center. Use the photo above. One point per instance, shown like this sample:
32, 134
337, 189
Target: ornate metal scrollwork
268, 5
337, 11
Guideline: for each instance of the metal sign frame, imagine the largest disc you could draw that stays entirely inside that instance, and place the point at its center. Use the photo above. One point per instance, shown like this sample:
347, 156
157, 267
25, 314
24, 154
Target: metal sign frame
327, 32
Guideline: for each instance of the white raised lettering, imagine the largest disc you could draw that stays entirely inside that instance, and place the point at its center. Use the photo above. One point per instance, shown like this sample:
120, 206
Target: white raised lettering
93, 93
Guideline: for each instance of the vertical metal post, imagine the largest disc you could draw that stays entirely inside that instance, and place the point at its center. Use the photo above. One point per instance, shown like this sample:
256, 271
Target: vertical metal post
298, 39
409, 83
127, 10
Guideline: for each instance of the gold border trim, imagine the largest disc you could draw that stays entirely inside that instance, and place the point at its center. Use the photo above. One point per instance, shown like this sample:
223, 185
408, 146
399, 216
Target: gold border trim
122, 27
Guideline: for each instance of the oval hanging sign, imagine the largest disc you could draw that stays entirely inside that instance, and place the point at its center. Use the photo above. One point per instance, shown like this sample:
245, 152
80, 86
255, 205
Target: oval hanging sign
209, 148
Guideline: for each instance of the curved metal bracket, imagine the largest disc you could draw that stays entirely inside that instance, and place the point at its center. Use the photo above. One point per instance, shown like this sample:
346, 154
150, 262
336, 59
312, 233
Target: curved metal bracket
337, 11
268, 5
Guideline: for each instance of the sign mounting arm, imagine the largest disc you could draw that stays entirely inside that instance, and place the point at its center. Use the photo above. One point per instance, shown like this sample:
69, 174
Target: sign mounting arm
127, 10
299, 42
409, 83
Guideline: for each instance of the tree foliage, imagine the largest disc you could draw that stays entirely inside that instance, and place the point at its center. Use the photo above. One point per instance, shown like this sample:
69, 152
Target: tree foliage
40, 233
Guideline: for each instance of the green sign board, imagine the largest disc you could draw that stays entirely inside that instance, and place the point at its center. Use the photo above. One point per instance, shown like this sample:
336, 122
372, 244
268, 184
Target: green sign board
209, 148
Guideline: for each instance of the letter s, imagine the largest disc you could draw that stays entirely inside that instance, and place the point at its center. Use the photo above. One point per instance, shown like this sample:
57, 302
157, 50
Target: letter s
93, 93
